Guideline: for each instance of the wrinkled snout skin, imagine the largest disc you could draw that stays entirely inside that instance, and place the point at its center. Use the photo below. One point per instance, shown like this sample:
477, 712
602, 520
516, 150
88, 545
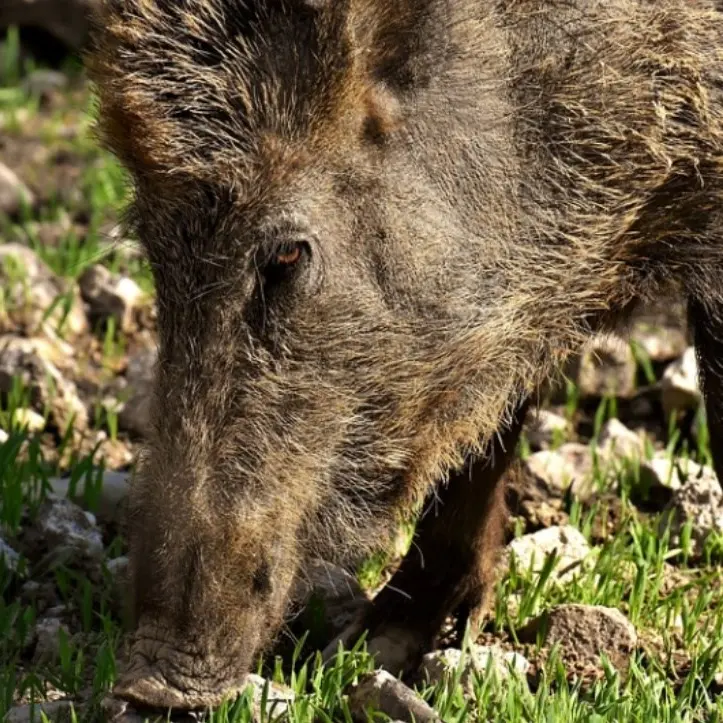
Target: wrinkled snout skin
376, 228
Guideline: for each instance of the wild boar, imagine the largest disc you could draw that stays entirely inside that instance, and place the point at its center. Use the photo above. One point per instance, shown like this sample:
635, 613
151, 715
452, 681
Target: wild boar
376, 228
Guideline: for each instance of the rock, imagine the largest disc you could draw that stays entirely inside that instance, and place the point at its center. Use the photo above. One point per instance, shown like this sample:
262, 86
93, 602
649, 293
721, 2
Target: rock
545, 428
109, 505
110, 297
699, 503
531, 550
332, 599
115, 710
57, 711
66, 20
14, 194
663, 472
616, 440
679, 385
67, 533
133, 416
55, 350
31, 289
48, 633
569, 467
118, 570
278, 697
441, 665
382, 692
660, 330
10, 558
47, 386
530, 498
28, 419
583, 632
607, 368
41, 82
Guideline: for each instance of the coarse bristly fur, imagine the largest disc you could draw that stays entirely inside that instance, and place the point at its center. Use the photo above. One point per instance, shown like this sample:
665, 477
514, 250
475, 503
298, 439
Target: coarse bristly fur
479, 186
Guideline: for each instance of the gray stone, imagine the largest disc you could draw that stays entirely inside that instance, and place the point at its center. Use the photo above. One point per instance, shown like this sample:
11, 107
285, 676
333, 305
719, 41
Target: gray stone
278, 699
28, 419
68, 532
663, 472
441, 665
607, 367
679, 386
48, 634
110, 297
48, 388
118, 570
110, 503
616, 440
530, 551
544, 428
584, 632
698, 503
133, 416
10, 557
57, 711
13, 192
41, 81
660, 330
382, 692
31, 289
569, 467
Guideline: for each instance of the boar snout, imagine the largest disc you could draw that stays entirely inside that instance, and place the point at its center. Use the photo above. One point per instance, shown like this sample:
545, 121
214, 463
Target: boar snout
208, 589
167, 672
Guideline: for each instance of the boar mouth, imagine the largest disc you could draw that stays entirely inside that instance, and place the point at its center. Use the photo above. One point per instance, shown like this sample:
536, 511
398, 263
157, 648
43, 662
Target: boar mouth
161, 675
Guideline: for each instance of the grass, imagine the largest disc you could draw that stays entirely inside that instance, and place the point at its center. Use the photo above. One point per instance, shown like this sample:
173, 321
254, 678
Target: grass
629, 570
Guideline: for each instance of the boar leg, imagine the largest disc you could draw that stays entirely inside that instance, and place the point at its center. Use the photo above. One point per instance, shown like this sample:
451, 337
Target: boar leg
451, 564
707, 324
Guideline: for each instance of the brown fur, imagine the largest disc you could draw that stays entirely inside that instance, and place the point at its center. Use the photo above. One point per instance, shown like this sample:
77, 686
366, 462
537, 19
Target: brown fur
483, 186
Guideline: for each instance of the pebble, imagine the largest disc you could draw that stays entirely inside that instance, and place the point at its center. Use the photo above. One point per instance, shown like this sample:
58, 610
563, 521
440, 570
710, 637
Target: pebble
698, 503
607, 368
530, 551
32, 288
382, 692
48, 388
679, 386
545, 428
110, 501
568, 467
133, 416
10, 557
616, 440
29, 419
583, 632
13, 192
278, 699
68, 532
439, 666
57, 711
48, 634
110, 297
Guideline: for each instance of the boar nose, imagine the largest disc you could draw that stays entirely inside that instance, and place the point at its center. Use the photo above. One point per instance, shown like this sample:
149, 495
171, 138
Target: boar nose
164, 673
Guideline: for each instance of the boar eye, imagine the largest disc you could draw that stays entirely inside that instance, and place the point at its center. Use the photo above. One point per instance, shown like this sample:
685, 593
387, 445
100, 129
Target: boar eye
284, 260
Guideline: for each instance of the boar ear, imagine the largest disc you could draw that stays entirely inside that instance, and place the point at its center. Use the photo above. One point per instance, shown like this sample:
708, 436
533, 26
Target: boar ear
130, 121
